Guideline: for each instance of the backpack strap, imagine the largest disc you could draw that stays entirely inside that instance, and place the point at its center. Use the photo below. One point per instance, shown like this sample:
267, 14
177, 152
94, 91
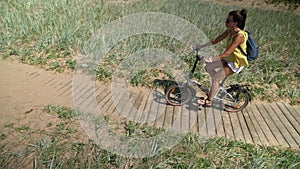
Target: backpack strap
240, 48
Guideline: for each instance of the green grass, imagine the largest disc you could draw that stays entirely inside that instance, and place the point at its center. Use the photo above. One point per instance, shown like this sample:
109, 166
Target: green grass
189, 153
51, 34
62, 112
63, 146
291, 4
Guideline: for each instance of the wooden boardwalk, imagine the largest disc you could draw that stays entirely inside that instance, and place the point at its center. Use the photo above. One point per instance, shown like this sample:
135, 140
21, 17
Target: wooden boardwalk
271, 124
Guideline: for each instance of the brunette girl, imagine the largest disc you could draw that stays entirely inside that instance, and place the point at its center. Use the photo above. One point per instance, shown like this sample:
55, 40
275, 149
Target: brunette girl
232, 59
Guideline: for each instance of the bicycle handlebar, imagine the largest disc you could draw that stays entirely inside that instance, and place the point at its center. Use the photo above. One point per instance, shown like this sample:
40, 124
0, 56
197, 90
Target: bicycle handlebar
198, 57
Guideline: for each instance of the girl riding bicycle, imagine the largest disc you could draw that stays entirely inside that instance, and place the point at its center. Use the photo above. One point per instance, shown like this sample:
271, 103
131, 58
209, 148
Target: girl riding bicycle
232, 59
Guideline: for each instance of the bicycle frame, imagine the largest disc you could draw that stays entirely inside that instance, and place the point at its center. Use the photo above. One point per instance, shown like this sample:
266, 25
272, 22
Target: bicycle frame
234, 97
198, 58
222, 89
191, 79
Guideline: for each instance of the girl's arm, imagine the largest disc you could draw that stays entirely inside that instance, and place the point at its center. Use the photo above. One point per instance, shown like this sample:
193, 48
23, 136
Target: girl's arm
216, 40
239, 38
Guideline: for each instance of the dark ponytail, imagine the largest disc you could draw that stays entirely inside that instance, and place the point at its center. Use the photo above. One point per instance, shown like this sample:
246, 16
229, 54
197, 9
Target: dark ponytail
239, 17
244, 15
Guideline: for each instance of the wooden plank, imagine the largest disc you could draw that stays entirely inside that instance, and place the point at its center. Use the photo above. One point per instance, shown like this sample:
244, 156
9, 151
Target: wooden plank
142, 110
295, 111
135, 102
87, 96
160, 114
237, 128
220, 131
272, 124
115, 106
103, 98
109, 107
185, 119
283, 135
264, 132
227, 126
176, 119
57, 84
210, 127
246, 133
146, 110
104, 102
195, 128
287, 130
153, 112
296, 108
156, 110
198, 121
128, 104
150, 112
98, 93
253, 125
168, 119
84, 96
68, 84
66, 90
290, 114
192, 109
218, 123
202, 122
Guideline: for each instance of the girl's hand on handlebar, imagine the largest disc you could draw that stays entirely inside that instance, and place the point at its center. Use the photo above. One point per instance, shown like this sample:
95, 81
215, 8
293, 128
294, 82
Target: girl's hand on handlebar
207, 60
198, 47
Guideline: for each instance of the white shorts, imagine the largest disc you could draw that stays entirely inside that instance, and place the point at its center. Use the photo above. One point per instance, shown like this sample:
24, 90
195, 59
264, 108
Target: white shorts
235, 70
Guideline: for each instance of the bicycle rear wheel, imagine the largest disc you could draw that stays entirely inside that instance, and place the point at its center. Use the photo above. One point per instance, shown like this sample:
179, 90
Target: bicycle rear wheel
236, 101
178, 95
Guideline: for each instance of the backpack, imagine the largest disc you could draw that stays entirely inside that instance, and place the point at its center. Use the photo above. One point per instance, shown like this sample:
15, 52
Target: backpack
252, 48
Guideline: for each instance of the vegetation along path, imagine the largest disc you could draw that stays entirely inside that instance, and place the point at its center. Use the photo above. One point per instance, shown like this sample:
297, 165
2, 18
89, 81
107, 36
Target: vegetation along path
24, 87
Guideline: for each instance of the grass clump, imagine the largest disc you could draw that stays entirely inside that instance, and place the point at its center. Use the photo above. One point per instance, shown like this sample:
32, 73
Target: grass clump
191, 152
58, 147
63, 112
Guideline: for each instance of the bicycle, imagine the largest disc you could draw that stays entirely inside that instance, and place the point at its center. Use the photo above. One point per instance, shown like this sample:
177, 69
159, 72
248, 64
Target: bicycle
234, 98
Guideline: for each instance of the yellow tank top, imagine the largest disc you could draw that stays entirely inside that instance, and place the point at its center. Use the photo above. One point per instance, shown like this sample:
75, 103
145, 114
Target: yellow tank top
237, 57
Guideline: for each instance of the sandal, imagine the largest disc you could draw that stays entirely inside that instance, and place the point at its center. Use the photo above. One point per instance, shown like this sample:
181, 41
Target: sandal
205, 102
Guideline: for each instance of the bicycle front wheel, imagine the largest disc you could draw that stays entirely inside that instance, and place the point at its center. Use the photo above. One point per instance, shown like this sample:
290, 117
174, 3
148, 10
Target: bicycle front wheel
177, 95
236, 101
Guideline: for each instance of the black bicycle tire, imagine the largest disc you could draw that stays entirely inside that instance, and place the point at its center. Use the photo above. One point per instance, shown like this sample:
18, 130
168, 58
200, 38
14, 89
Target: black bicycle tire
177, 88
243, 106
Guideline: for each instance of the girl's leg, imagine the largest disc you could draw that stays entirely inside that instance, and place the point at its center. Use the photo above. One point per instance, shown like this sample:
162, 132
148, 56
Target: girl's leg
210, 67
216, 78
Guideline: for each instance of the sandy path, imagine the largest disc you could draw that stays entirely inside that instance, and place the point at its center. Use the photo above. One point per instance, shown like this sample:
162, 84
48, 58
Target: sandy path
24, 88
